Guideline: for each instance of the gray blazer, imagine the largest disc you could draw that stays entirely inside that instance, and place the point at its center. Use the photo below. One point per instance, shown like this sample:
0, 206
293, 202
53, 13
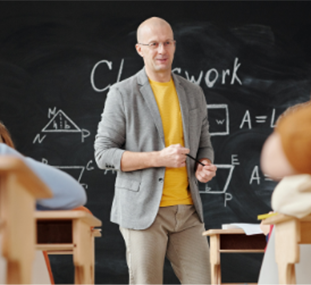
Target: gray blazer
131, 121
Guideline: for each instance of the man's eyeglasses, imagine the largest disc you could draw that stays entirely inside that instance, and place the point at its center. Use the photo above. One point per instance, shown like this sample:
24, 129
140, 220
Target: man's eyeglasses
155, 45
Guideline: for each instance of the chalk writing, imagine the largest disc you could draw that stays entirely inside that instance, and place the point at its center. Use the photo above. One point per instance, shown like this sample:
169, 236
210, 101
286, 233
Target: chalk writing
255, 175
212, 75
234, 159
109, 65
192, 78
210, 78
228, 197
247, 120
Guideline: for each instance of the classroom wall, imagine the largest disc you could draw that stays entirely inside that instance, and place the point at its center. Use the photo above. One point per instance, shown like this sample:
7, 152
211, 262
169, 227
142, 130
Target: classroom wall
58, 60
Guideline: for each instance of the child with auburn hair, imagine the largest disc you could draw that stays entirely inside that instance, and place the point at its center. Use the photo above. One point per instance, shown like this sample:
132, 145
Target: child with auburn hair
5, 136
67, 194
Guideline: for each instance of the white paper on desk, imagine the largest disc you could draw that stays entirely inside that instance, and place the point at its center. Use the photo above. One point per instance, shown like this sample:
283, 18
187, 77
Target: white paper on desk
249, 229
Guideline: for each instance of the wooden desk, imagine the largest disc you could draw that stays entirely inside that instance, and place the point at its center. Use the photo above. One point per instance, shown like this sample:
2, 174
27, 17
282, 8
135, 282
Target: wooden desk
289, 233
231, 241
70, 232
19, 188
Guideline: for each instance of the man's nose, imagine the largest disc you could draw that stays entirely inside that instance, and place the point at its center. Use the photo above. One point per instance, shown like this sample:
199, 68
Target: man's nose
161, 48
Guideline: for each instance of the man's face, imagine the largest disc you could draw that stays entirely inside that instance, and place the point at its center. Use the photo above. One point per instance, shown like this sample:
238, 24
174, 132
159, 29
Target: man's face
157, 60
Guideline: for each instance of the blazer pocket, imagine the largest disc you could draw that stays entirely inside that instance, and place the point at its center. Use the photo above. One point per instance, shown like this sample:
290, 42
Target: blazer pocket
131, 185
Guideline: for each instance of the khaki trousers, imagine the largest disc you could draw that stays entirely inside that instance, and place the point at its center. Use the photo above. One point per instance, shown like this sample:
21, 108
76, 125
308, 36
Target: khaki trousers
176, 233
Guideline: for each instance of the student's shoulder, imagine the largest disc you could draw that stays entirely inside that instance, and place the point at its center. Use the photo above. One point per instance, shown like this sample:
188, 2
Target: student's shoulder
6, 150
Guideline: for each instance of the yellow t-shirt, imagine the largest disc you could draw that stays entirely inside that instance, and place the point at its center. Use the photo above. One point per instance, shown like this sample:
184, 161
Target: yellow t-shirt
175, 189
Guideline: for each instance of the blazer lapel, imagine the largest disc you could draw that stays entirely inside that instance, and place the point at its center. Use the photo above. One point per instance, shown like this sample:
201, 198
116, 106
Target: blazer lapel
147, 93
184, 108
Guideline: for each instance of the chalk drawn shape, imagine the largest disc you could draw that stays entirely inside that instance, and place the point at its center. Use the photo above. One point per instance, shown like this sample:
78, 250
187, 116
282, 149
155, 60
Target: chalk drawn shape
76, 171
218, 185
61, 123
218, 118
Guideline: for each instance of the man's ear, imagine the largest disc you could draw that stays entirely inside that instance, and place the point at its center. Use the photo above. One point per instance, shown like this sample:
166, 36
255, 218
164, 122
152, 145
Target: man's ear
139, 50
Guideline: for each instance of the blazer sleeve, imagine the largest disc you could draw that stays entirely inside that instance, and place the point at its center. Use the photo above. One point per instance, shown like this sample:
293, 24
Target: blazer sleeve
205, 147
110, 138
67, 192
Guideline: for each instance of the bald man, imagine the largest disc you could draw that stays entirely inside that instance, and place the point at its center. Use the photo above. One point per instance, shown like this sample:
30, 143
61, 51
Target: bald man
150, 122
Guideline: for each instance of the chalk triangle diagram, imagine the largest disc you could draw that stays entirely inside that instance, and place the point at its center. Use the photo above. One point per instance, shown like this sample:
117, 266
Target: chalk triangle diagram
61, 123
219, 184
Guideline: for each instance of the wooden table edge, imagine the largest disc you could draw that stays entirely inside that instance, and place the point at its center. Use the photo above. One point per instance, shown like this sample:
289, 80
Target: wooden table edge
68, 215
223, 231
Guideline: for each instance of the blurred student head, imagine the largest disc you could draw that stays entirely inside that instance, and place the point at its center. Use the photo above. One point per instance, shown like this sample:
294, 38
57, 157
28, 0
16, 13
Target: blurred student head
292, 109
274, 160
5, 136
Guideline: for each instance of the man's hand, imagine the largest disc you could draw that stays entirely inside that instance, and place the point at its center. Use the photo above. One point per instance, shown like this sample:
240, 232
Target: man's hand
205, 173
173, 156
